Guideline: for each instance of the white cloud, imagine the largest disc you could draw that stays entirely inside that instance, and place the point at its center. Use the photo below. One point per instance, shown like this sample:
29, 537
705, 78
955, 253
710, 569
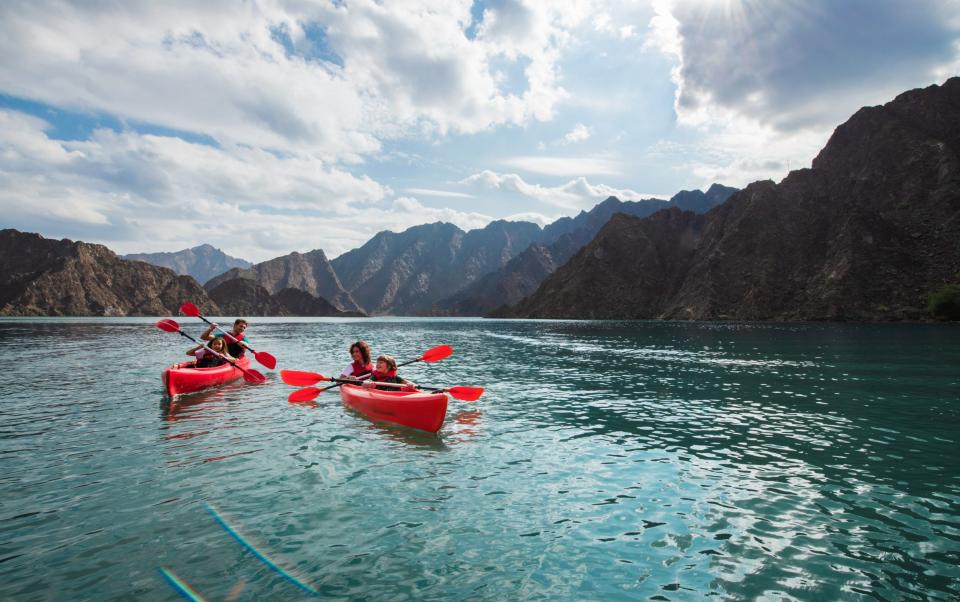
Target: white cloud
764, 98
564, 166
438, 193
407, 212
123, 189
575, 194
799, 65
251, 74
579, 133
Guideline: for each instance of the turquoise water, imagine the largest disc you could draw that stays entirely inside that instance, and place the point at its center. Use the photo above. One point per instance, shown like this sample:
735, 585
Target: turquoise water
606, 461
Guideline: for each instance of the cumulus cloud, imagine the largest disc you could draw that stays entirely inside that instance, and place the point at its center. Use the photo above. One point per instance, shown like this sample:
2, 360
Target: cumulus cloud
125, 188
564, 166
579, 133
796, 65
329, 79
575, 194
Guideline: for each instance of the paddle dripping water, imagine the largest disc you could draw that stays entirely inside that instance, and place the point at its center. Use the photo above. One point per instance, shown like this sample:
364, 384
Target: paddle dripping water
604, 461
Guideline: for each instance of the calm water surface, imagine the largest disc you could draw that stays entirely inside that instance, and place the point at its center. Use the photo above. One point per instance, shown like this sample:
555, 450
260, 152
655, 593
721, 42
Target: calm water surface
607, 460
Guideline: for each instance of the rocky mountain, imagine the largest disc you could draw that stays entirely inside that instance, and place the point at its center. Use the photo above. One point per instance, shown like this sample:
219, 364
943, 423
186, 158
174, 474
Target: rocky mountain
202, 262
868, 233
244, 297
406, 273
560, 241
310, 272
45, 277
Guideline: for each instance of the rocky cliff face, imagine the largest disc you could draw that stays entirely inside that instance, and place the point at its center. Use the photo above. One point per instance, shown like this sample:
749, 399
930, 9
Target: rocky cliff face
43, 277
866, 234
202, 262
310, 272
406, 273
522, 275
243, 297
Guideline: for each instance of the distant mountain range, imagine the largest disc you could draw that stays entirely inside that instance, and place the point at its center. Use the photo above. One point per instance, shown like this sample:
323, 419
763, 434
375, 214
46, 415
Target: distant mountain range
202, 262
558, 242
868, 233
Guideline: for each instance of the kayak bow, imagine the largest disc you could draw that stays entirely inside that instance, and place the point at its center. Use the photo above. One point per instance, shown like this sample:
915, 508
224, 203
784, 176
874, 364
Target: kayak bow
415, 409
184, 378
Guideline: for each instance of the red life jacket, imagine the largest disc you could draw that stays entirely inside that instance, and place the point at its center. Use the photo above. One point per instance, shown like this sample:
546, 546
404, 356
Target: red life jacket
358, 369
388, 377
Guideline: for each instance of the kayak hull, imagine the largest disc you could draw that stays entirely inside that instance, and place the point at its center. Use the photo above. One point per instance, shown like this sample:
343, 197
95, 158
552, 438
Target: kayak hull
418, 410
180, 379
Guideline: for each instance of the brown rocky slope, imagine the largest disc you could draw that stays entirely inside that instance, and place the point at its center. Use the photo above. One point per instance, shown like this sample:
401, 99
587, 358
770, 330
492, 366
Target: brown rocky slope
45, 277
866, 234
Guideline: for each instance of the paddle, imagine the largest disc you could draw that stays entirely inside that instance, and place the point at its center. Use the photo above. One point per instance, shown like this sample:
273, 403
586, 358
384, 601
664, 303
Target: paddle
251, 376
267, 360
299, 378
459, 392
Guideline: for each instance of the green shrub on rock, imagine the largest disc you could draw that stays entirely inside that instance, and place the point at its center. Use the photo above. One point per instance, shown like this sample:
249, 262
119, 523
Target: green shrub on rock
945, 303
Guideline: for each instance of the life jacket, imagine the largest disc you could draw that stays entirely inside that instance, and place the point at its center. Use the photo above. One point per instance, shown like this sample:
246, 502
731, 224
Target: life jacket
208, 359
234, 348
388, 377
358, 369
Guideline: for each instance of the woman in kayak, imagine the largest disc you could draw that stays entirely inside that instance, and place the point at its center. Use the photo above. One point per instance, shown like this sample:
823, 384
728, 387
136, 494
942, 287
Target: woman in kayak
386, 372
236, 345
207, 355
361, 366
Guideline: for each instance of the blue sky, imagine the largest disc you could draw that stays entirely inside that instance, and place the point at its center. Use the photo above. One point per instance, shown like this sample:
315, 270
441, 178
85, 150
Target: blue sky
269, 127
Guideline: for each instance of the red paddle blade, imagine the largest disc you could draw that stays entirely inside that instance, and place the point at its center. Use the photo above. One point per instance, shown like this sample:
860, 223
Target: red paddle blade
168, 325
252, 376
298, 378
266, 360
308, 394
189, 309
466, 393
437, 353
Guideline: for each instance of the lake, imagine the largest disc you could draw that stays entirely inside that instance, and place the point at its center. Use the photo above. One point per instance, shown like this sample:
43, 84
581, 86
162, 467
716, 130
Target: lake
606, 461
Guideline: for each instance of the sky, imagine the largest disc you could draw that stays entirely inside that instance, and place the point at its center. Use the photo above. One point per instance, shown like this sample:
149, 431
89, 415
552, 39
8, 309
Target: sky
269, 127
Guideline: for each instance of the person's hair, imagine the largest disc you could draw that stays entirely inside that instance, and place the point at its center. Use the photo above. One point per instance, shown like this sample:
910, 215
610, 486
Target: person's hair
364, 351
391, 363
212, 343
240, 321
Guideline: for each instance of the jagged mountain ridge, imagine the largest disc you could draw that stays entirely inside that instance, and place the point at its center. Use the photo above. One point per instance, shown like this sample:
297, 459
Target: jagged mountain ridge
523, 274
203, 262
867, 233
45, 277
244, 297
405, 273
310, 272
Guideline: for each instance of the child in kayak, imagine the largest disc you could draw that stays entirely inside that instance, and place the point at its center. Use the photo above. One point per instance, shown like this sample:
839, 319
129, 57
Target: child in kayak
235, 338
361, 366
386, 372
206, 355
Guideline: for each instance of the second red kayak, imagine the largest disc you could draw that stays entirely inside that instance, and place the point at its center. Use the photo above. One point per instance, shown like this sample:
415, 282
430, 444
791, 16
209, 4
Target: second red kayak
184, 378
415, 409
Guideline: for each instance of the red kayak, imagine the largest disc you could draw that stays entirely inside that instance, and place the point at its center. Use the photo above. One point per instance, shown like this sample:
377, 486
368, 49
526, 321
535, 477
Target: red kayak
416, 409
184, 378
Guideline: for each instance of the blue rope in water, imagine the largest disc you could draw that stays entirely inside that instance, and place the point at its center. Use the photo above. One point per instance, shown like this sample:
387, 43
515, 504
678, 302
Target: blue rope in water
180, 586
258, 554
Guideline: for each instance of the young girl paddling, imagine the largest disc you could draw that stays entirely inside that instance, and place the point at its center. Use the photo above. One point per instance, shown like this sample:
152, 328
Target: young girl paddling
386, 372
206, 355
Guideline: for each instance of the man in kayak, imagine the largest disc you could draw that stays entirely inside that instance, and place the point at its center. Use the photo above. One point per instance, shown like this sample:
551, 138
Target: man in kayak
235, 338
361, 366
386, 372
209, 355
